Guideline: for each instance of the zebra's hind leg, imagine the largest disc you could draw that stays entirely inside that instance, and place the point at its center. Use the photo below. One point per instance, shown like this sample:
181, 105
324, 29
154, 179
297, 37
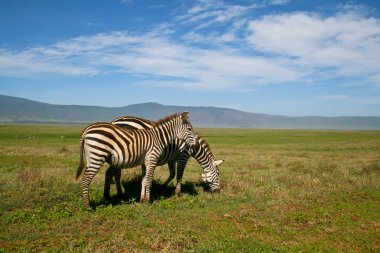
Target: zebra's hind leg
107, 182
117, 173
110, 172
89, 174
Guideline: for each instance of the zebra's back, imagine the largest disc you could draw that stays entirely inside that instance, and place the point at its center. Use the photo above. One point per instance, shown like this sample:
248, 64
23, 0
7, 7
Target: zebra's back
130, 122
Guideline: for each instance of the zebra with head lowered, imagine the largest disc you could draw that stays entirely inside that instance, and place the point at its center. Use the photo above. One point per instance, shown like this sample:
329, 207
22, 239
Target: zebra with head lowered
125, 148
177, 152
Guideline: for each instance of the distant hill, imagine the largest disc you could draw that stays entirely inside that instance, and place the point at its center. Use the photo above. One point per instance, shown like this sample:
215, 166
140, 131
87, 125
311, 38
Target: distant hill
20, 110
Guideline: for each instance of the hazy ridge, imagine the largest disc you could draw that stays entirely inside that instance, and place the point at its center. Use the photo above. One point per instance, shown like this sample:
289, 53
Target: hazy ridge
20, 110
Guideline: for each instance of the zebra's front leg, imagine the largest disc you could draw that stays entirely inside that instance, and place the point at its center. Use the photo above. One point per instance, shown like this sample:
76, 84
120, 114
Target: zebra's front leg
172, 166
180, 170
146, 183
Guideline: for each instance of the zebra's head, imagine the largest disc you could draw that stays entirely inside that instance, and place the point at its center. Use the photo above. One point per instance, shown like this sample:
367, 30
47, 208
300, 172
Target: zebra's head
186, 131
210, 175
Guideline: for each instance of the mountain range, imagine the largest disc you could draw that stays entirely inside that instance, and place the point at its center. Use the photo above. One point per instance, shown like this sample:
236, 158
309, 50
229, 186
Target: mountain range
20, 110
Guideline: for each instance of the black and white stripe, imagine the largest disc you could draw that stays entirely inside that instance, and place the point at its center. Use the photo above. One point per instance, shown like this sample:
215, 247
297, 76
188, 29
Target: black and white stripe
175, 154
126, 148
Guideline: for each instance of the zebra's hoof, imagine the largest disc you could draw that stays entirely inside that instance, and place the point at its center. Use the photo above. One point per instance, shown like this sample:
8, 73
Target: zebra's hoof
87, 208
144, 200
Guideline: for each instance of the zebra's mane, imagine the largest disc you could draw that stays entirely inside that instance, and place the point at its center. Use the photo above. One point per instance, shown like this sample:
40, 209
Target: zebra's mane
167, 118
202, 143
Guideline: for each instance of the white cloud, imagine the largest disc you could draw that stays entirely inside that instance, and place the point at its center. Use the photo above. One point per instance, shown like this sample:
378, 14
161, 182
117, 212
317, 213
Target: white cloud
345, 44
37, 61
149, 55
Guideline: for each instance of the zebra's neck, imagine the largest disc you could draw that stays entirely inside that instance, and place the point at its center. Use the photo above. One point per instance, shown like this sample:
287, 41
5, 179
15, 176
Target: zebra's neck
165, 132
202, 153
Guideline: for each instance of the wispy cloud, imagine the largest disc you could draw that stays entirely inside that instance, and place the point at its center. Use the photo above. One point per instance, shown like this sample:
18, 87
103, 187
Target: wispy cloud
126, 1
276, 48
92, 24
333, 97
208, 13
368, 100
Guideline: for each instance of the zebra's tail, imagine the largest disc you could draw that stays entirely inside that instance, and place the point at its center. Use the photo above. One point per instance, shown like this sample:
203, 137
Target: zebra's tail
81, 162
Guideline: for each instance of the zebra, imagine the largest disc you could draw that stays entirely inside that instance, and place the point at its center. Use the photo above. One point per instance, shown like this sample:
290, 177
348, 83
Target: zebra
122, 148
175, 153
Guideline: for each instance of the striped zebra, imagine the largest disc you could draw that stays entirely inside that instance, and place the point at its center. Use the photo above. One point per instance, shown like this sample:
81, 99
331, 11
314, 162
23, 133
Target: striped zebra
123, 148
176, 153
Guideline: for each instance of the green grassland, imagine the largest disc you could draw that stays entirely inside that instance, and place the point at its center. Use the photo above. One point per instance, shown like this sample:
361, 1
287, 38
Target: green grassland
282, 191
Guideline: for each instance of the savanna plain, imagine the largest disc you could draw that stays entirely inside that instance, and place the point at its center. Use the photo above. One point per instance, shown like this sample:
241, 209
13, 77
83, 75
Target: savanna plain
282, 191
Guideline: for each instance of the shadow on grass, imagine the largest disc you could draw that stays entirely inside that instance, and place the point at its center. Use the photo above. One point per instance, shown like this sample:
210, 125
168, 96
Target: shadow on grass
132, 191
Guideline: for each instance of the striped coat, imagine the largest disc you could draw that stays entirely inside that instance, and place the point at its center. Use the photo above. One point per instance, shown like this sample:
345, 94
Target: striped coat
125, 148
175, 155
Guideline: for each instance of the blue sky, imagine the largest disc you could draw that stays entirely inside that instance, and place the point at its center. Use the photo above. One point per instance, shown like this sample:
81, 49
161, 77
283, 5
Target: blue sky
282, 57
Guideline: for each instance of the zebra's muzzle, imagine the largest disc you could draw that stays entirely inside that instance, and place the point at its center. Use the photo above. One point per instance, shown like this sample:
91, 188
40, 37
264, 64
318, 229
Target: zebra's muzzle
216, 190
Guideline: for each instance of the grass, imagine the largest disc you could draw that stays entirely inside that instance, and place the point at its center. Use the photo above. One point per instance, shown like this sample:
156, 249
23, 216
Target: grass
282, 191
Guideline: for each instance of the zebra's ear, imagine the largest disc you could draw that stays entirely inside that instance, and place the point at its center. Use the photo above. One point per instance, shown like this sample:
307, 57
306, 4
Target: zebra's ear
185, 117
218, 162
